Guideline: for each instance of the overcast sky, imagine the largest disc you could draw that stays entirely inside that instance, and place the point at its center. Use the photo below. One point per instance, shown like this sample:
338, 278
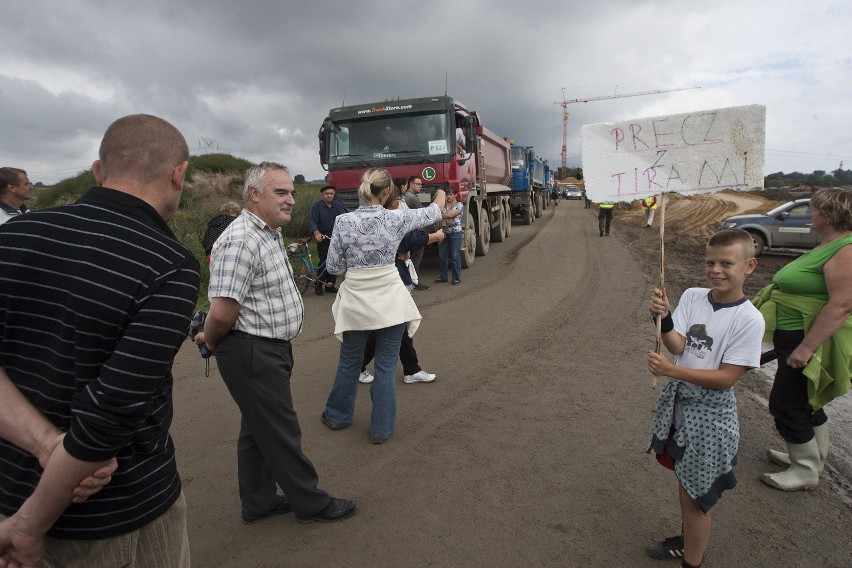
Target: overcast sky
256, 79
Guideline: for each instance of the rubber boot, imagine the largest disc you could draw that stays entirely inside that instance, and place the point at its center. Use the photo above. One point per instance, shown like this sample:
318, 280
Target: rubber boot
821, 436
802, 473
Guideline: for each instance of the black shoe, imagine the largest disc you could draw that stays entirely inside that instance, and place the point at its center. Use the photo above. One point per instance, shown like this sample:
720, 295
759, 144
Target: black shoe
330, 425
319, 291
281, 506
671, 547
336, 510
439, 280
455, 282
601, 232
421, 287
331, 289
377, 440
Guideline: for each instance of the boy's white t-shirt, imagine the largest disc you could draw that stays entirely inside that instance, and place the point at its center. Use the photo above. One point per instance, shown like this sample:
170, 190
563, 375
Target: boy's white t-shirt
717, 333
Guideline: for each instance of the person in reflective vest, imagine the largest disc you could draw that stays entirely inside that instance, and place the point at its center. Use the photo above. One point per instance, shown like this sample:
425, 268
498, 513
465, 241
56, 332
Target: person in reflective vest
649, 204
605, 217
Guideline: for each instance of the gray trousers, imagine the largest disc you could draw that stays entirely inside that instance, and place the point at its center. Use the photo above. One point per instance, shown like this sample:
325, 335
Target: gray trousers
269, 449
162, 543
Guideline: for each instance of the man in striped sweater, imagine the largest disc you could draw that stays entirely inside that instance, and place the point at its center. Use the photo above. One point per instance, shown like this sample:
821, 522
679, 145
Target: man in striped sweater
95, 301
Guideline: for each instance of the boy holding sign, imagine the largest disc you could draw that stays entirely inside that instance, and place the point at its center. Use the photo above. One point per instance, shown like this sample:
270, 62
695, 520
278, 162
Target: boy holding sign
715, 335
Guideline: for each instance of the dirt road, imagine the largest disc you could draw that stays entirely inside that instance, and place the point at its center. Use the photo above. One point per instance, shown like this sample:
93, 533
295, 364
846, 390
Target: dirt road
527, 451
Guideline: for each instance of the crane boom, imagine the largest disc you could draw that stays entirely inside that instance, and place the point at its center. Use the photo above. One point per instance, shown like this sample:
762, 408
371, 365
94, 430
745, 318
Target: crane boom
564, 104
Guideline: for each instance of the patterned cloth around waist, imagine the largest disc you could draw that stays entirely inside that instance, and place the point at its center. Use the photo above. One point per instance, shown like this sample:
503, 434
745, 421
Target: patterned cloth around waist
705, 444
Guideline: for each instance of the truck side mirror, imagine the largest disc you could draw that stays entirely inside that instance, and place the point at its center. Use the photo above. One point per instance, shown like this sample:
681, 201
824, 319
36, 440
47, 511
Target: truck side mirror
469, 124
470, 142
323, 142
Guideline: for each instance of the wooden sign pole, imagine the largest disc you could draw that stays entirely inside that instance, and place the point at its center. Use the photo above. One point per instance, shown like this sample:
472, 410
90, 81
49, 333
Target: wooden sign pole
662, 282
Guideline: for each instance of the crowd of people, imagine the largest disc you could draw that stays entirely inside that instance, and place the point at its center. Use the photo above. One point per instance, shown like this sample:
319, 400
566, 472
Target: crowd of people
90, 326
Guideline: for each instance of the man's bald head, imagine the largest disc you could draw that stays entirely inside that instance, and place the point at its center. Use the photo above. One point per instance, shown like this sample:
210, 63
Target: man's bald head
142, 148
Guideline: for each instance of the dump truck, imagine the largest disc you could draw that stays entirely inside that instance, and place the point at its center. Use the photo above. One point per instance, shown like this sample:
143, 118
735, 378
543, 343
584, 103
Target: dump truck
529, 183
438, 139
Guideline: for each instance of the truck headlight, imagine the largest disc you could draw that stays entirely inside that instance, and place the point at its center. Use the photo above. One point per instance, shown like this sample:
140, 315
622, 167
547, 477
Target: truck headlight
730, 225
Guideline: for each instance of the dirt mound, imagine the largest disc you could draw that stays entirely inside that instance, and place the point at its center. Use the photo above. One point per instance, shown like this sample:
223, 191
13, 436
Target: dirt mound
216, 187
689, 223
573, 181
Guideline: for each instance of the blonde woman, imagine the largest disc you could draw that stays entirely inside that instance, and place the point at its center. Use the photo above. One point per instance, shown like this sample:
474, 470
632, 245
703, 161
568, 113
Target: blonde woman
372, 298
807, 307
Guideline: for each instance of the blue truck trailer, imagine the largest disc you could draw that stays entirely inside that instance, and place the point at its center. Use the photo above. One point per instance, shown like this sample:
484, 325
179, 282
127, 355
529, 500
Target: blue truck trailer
530, 175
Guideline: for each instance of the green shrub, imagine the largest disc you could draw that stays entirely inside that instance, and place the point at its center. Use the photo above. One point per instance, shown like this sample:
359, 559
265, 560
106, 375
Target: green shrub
66, 191
306, 196
188, 199
217, 164
188, 225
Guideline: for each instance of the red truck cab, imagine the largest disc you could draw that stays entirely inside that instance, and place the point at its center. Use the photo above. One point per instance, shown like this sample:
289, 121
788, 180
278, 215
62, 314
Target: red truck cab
437, 139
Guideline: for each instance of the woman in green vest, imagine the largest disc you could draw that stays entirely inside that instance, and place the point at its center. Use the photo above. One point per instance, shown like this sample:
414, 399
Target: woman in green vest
807, 309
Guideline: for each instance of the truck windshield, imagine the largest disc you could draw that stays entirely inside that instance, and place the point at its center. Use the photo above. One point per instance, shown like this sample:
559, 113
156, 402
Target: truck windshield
391, 136
519, 159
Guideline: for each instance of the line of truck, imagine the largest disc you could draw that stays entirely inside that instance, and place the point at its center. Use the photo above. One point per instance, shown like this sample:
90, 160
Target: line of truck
441, 141
530, 183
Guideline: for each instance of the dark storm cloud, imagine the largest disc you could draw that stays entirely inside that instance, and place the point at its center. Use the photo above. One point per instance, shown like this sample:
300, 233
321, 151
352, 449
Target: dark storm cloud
257, 78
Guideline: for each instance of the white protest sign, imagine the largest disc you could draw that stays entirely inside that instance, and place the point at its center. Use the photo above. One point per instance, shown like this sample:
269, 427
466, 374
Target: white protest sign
697, 152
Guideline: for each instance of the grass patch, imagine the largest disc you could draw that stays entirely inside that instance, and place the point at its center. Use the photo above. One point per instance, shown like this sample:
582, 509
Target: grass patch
216, 164
66, 191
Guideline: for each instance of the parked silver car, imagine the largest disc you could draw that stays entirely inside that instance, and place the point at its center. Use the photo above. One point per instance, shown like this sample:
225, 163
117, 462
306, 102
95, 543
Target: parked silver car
786, 226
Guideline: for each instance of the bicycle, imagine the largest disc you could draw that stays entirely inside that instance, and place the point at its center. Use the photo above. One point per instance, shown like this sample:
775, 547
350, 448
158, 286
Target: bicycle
305, 272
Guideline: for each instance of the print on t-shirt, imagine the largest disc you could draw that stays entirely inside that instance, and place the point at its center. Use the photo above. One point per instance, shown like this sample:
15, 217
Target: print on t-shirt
697, 340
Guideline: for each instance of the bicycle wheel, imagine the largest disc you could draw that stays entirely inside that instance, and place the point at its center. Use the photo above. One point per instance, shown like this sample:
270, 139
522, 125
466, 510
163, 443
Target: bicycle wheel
301, 274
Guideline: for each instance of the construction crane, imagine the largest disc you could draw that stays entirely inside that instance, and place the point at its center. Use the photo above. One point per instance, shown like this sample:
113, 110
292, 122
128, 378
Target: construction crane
564, 104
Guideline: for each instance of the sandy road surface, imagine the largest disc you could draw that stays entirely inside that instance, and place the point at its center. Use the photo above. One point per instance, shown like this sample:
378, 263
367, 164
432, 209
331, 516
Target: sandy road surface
527, 451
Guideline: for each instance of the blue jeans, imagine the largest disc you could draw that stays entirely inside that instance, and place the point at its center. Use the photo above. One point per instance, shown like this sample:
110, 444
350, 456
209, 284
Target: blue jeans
340, 406
451, 247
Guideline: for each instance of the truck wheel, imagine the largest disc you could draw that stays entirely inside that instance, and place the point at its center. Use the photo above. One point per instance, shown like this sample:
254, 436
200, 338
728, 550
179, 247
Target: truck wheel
539, 205
527, 216
497, 232
759, 242
468, 248
507, 226
483, 237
